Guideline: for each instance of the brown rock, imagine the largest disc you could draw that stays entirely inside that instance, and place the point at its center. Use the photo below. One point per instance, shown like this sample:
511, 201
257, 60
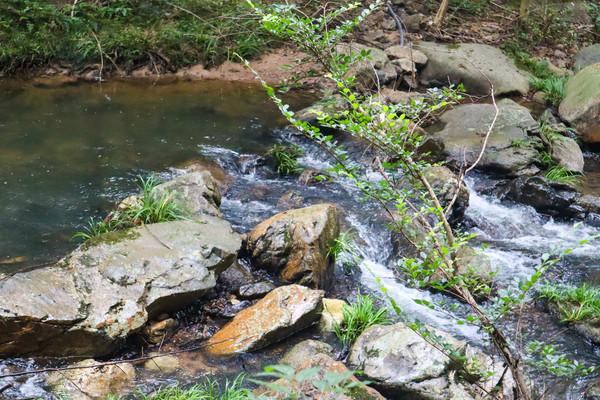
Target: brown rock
296, 243
406, 53
281, 313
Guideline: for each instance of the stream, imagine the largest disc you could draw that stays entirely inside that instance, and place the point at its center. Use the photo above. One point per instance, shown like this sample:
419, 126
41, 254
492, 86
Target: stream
69, 153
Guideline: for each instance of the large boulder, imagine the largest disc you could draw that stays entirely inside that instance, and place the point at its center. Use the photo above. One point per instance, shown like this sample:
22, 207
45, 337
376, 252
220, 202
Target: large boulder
510, 150
566, 153
400, 362
90, 380
587, 56
296, 243
581, 105
474, 65
281, 313
101, 293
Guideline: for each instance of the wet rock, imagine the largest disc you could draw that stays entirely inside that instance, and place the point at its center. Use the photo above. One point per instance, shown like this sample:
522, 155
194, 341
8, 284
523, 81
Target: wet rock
474, 65
566, 153
157, 332
445, 183
332, 315
313, 177
101, 293
305, 350
281, 313
331, 105
257, 290
400, 362
295, 243
589, 329
587, 56
224, 308
581, 105
590, 203
314, 354
222, 177
92, 383
376, 69
195, 192
166, 364
546, 197
592, 390
406, 53
291, 199
509, 149
237, 275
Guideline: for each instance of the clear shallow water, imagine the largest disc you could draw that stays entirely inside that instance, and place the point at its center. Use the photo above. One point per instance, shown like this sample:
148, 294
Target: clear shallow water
69, 153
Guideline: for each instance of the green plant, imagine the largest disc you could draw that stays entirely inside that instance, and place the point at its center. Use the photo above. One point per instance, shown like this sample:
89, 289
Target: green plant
553, 88
286, 158
548, 359
574, 303
560, 174
544, 159
519, 143
98, 227
549, 133
359, 316
343, 250
208, 390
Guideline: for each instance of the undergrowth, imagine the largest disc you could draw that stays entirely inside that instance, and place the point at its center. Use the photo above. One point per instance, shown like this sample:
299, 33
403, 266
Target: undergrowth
560, 174
574, 303
359, 316
286, 158
209, 390
124, 34
148, 208
552, 87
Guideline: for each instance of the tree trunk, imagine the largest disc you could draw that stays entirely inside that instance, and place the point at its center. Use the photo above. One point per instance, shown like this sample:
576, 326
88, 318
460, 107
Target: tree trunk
441, 14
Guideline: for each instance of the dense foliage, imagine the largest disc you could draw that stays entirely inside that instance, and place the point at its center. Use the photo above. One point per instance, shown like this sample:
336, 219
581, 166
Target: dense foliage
126, 33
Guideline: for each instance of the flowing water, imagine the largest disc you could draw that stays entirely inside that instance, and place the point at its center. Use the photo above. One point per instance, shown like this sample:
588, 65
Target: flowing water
70, 153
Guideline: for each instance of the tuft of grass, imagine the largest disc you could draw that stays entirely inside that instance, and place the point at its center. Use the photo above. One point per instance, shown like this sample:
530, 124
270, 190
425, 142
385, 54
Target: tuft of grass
359, 316
553, 87
286, 158
209, 390
149, 209
574, 303
549, 133
560, 174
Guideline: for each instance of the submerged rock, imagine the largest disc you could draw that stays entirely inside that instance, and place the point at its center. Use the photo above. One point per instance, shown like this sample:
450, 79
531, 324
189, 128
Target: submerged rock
281, 313
509, 150
581, 104
400, 362
90, 382
474, 65
92, 300
295, 243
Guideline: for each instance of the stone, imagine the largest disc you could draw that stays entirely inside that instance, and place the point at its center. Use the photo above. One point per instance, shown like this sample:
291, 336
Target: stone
592, 390
566, 153
444, 183
510, 150
590, 203
406, 53
332, 315
290, 199
325, 364
91, 382
196, 193
374, 70
157, 332
295, 243
405, 65
399, 97
166, 364
400, 362
474, 65
281, 313
257, 290
546, 197
587, 56
331, 105
92, 300
305, 350
581, 104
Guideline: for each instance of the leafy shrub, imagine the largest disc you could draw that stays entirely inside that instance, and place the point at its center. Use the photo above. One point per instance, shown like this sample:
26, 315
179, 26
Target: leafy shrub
553, 88
575, 303
286, 158
359, 316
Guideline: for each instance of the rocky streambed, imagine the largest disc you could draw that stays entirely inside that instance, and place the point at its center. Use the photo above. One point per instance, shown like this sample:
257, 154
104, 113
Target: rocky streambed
247, 280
